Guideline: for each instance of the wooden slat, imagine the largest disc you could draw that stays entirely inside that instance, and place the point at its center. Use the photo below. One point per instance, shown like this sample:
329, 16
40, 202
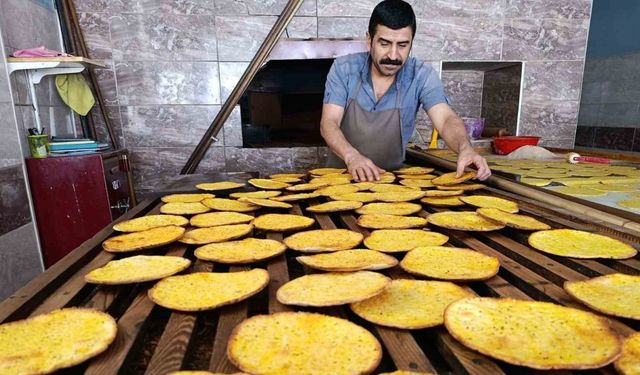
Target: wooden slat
279, 275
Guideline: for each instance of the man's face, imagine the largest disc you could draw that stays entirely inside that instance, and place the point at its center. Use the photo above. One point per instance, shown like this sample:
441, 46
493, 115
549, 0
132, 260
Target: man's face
389, 48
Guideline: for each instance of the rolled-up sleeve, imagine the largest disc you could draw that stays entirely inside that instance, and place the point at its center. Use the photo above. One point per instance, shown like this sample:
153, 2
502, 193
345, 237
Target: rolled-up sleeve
336, 88
432, 92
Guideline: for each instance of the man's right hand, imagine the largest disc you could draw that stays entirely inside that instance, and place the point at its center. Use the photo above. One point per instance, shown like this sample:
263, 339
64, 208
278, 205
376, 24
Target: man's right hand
362, 168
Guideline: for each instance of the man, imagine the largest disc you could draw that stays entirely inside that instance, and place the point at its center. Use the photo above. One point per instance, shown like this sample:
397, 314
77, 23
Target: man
371, 100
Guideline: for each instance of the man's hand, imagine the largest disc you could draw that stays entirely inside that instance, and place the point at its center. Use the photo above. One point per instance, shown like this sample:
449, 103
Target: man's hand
362, 168
468, 157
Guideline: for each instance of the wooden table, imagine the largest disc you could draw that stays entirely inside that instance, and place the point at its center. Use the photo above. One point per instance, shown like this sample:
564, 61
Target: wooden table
154, 340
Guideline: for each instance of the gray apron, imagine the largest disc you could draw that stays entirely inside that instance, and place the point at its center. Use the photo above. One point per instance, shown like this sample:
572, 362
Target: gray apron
376, 135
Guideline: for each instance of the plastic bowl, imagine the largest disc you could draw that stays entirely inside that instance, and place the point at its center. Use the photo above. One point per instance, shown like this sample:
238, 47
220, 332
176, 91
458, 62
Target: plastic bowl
505, 145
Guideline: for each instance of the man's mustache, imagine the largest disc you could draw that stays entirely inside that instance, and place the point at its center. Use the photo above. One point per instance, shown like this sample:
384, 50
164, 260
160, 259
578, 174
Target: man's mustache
390, 62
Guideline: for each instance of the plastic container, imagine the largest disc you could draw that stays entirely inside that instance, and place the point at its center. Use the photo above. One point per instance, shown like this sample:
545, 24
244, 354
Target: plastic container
506, 145
474, 127
38, 145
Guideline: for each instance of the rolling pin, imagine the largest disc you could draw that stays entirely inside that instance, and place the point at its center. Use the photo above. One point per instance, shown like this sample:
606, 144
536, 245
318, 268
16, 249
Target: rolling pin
575, 158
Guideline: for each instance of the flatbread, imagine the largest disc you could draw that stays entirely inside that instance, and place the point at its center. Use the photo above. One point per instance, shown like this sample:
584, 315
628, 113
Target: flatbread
334, 206
186, 198
400, 196
320, 240
332, 181
453, 201
410, 304
338, 190
249, 250
615, 294
296, 197
613, 188
358, 197
308, 187
629, 361
222, 185
145, 239
491, 202
266, 184
221, 233
223, 204
207, 290
137, 269
399, 240
442, 193
149, 222
349, 261
266, 203
580, 244
630, 203
291, 174
556, 337
264, 194
512, 220
463, 187
423, 184
55, 340
323, 171
384, 221
332, 288
385, 188
450, 263
399, 208
580, 191
282, 222
535, 181
416, 176
451, 179
214, 219
365, 185
294, 343
181, 208
414, 170
288, 180
468, 221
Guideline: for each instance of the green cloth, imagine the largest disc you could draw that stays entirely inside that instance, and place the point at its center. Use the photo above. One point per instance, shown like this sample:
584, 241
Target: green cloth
75, 92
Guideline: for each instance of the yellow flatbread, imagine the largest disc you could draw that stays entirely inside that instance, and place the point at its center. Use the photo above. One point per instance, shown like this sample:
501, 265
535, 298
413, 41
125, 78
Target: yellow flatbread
358, 197
629, 361
282, 222
593, 173
149, 222
443, 201
616, 294
416, 176
308, 187
332, 288
264, 194
450, 263
417, 183
294, 343
145, 239
249, 250
214, 219
181, 208
535, 181
207, 290
222, 185
265, 203
400, 196
296, 197
541, 335
314, 241
512, 220
398, 240
630, 203
468, 221
414, 170
266, 184
288, 180
384, 221
580, 244
410, 304
338, 190
491, 202
573, 181
399, 208
332, 181
349, 261
385, 188
385, 178
55, 340
334, 206
463, 187
451, 179
362, 186
221, 233
579, 191
613, 188
186, 198
137, 269
442, 193
292, 175
324, 171
223, 204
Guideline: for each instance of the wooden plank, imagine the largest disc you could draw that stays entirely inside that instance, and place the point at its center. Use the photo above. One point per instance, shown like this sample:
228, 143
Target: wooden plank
463, 360
278, 276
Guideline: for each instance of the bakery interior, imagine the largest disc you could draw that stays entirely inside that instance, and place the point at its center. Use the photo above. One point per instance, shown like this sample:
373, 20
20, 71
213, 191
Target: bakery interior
166, 204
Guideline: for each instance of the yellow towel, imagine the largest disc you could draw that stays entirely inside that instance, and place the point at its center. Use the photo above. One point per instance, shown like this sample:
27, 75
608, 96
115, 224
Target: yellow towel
75, 92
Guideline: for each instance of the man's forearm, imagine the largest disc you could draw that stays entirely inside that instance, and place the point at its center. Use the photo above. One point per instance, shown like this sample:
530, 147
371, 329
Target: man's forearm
455, 135
336, 140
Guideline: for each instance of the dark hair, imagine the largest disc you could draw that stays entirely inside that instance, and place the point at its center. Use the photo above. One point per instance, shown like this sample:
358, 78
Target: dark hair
394, 14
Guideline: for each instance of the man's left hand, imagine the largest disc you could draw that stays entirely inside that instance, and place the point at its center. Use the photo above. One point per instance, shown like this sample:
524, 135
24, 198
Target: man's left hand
468, 157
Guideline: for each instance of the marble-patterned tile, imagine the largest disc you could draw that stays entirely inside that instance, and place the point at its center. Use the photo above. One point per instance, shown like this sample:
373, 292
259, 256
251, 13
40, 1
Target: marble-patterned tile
548, 119
233, 129
115, 119
5, 89
589, 114
578, 9
502, 86
230, 73
20, 259
14, 203
557, 143
261, 7
460, 8
164, 82
458, 39
95, 29
9, 143
342, 27
467, 110
106, 6
585, 136
619, 115
302, 27
108, 87
47, 29
304, 158
263, 160
341, 8
163, 37
463, 87
240, 37
557, 80
196, 7
323, 153
167, 126
544, 39
18, 24
614, 138
501, 115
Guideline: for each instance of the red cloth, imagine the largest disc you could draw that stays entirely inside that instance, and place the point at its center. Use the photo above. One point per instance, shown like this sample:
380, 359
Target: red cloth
38, 52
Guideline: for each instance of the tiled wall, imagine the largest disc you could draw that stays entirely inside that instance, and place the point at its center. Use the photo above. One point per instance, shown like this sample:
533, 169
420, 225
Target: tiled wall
172, 64
464, 90
500, 95
610, 103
